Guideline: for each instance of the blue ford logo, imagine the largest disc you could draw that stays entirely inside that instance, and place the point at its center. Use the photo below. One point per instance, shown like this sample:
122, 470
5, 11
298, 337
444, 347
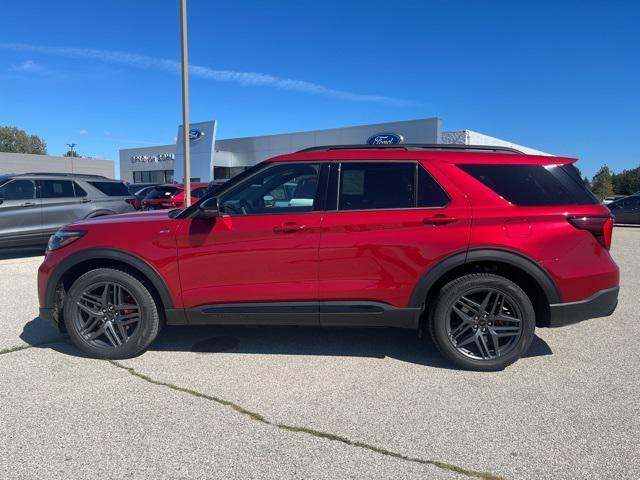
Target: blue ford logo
195, 134
385, 139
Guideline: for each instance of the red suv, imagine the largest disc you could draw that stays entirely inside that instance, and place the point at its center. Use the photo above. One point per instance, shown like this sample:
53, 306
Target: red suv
477, 245
170, 196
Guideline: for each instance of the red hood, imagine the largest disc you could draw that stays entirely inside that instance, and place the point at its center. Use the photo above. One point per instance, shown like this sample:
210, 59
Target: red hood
135, 217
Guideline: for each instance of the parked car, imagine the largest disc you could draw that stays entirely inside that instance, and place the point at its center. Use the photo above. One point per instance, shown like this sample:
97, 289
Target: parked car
626, 210
135, 187
140, 194
613, 198
35, 205
171, 196
476, 245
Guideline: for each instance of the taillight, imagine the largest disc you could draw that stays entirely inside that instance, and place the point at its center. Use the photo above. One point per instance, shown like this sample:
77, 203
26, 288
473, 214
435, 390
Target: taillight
600, 227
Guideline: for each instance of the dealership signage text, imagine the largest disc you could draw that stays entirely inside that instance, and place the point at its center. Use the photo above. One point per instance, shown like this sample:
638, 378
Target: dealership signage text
161, 157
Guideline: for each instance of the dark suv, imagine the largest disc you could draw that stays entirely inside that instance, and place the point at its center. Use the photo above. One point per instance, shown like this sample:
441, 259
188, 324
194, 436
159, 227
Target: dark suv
477, 245
34, 205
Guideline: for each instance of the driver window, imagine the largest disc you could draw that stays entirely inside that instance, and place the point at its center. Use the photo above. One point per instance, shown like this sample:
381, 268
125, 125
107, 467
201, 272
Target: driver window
280, 189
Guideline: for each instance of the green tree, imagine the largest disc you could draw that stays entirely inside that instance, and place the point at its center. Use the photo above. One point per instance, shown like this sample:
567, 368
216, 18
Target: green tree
627, 182
14, 140
602, 183
70, 153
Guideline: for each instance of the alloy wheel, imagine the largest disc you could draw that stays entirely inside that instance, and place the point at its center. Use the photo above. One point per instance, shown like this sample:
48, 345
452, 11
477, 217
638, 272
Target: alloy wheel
106, 315
484, 324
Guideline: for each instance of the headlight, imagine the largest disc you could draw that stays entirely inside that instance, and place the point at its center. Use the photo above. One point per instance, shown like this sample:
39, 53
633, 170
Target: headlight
62, 238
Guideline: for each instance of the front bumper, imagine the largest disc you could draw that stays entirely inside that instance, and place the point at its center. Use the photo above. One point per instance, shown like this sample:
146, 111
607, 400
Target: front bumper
600, 304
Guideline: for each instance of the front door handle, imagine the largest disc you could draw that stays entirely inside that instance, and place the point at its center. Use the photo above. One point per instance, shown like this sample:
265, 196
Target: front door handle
439, 219
85, 200
28, 204
288, 227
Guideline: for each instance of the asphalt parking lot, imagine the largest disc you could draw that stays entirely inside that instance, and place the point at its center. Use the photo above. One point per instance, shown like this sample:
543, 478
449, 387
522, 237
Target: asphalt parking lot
230, 402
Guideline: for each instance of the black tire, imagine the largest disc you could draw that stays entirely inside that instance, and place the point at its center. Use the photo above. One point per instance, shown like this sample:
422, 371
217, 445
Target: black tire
458, 320
133, 306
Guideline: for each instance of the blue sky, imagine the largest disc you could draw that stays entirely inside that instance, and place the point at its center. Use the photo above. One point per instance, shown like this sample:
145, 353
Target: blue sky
560, 76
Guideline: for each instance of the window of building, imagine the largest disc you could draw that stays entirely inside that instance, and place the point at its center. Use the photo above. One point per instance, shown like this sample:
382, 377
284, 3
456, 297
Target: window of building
18, 190
56, 188
225, 173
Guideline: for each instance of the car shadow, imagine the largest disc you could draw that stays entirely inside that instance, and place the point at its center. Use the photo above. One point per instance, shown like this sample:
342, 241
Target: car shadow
399, 344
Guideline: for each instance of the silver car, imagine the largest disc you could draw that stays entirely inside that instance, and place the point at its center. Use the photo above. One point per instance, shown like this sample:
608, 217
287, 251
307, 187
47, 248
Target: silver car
34, 205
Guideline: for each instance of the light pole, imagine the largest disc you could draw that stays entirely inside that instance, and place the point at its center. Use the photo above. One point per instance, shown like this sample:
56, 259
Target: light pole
185, 104
72, 146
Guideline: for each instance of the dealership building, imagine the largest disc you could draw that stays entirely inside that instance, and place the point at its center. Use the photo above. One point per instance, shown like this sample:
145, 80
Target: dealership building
213, 158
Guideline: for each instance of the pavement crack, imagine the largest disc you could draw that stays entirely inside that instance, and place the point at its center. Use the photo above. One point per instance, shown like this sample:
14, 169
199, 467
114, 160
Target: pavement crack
18, 348
309, 431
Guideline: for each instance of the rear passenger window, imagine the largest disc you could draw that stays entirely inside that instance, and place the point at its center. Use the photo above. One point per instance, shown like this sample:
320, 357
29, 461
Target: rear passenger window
376, 185
532, 185
112, 189
57, 188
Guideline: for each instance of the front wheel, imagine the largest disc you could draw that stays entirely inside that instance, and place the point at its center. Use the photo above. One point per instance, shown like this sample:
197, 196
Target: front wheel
110, 314
482, 322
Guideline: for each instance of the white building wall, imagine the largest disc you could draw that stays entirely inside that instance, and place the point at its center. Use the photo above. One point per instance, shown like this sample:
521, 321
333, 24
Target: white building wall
470, 137
251, 150
27, 162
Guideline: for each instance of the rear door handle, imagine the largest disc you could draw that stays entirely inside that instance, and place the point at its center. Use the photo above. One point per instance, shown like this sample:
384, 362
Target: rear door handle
28, 204
439, 219
289, 227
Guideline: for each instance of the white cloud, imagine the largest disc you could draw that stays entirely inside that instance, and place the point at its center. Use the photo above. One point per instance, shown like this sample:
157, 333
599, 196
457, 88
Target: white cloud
84, 132
253, 79
28, 66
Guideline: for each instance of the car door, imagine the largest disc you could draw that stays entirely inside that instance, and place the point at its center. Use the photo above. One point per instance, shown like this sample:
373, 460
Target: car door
60, 206
254, 252
20, 215
390, 223
626, 210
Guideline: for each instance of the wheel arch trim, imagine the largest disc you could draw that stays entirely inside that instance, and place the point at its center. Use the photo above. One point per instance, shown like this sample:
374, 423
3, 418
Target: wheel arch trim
515, 259
133, 261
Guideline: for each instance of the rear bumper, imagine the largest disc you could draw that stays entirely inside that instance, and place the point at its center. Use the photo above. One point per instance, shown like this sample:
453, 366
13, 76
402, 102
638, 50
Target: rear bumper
600, 304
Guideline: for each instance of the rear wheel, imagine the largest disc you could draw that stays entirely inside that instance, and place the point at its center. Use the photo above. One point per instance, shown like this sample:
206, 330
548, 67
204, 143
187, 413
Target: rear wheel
110, 314
482, 322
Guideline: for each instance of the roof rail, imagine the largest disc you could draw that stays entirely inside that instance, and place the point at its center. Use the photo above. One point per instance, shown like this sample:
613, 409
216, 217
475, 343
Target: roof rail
73, 175
415, 146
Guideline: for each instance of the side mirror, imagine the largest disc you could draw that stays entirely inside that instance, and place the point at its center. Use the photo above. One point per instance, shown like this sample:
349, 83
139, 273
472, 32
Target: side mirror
210, 208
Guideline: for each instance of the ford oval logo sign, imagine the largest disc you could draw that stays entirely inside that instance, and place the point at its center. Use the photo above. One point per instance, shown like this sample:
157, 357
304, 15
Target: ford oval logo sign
195, 134
385, 139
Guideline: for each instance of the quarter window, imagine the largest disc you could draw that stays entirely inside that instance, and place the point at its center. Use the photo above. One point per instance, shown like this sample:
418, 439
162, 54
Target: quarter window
17, 190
